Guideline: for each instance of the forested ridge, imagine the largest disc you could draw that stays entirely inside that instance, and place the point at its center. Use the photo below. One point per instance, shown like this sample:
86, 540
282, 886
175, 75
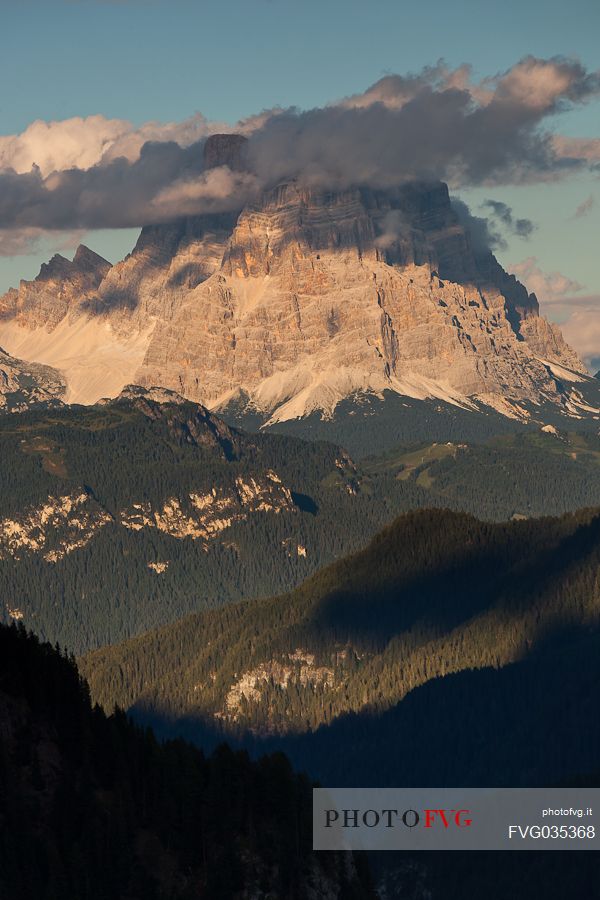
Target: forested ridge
450, 649
433, 594
460, 653
134, 453
119, 456
94, 808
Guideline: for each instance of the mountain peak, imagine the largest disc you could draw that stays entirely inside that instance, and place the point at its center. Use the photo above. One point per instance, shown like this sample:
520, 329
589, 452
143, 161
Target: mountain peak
193, 424
155, 394
85, 261
224, 150
57, 266
88, 259
307, 298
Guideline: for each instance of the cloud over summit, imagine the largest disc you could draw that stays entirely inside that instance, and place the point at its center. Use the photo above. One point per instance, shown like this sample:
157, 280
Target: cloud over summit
437, 124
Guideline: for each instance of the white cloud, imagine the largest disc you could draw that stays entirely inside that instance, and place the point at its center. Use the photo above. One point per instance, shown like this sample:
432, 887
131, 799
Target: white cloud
85, 142
206, 192
582, 330
577, 148
71, 143
549, 287
579, 315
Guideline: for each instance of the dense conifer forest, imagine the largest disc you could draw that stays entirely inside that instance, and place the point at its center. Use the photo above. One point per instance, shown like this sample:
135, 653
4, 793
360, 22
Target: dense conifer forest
397, 419
433, 595
118, 581
427, 651
94, 808
449, 651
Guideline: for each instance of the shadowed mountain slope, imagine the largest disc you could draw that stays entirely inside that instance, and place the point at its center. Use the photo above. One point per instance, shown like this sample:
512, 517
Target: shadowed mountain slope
435, 593
92, 807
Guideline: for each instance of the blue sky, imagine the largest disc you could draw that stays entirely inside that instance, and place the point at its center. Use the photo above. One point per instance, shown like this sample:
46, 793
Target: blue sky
155, 59
147, 60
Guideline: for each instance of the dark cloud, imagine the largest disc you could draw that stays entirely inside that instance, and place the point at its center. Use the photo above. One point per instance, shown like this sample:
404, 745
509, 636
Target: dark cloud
158, 186
484, 235
437, 124
503, 215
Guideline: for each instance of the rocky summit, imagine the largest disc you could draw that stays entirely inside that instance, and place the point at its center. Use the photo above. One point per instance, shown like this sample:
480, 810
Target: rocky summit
297, 301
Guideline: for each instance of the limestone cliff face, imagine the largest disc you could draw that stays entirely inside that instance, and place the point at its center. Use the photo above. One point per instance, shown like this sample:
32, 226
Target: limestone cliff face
61, 525
25, 384
71, 521
300, 300
320, 295
168, 261
59, 290
172, 259
203, 516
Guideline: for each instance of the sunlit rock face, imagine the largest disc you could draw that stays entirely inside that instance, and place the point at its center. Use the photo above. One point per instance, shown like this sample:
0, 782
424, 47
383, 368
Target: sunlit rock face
293, 303
53, 530
68, 522
58, 291
204, 516
323, 294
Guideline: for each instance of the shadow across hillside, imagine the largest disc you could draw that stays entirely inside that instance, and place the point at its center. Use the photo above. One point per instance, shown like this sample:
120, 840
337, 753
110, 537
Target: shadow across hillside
534, 723
386, 596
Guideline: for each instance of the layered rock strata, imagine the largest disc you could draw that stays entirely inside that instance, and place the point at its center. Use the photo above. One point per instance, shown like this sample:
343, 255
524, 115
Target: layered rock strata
301, 299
